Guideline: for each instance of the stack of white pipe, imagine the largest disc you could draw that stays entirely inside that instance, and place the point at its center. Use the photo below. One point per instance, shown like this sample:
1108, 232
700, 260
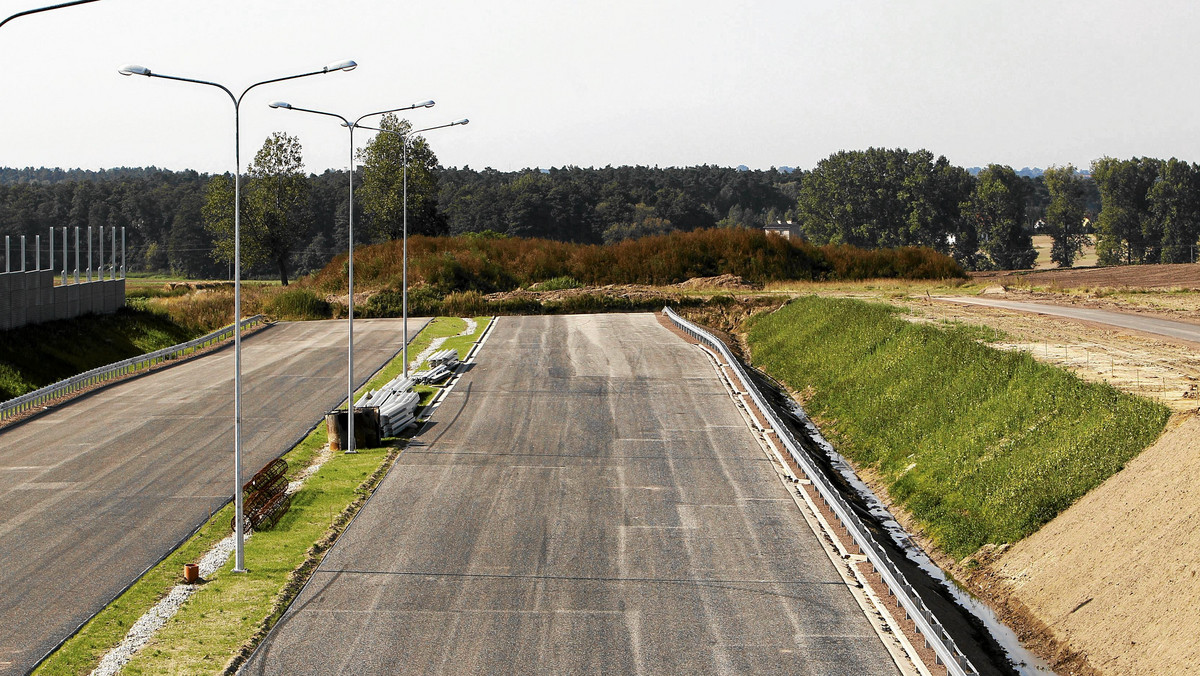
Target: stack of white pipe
434, 375
397, 404
447, 358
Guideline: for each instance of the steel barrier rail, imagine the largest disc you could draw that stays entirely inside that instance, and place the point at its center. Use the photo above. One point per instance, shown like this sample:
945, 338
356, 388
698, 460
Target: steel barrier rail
948, 654
41, 397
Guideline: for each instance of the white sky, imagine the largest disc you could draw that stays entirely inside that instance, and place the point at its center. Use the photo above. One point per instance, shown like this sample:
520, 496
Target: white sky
556, 82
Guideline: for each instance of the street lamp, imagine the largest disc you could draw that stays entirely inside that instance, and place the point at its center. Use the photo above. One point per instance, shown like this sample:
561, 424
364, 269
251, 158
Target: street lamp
350, 272
404, 277
239, 526
46, 9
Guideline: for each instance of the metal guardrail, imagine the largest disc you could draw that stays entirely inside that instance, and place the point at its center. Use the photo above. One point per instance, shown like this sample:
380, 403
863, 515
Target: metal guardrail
41, 397
931, 629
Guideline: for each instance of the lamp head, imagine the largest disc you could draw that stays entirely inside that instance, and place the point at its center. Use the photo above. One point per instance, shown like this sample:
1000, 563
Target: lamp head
462, 121
428, 103
132, 69
347, 65
280, 104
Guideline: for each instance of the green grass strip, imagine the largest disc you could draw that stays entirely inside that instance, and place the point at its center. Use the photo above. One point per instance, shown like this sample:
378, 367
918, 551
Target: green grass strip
229, 611
980, 445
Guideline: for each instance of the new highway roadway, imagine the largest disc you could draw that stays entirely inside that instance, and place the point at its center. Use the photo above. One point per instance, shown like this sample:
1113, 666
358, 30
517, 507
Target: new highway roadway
587, 500
97, 490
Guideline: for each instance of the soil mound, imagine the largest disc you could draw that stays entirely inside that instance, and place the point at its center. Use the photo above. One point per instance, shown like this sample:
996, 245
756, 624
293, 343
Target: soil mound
1116, 575
718, 282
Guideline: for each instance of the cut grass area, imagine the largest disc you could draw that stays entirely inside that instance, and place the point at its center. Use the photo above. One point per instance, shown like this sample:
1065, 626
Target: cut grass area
229, 611
43, 354
979, 445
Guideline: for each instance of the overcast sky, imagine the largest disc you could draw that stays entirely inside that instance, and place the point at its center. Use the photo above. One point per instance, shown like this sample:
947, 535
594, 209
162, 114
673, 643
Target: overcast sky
553, 83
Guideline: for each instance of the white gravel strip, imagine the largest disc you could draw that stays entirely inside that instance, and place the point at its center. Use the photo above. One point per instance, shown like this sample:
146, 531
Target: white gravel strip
437, 343
147, 625
426, 353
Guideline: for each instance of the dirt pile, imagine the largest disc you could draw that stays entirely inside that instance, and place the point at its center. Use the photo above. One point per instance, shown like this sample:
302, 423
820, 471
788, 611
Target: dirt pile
732, 282
628, 291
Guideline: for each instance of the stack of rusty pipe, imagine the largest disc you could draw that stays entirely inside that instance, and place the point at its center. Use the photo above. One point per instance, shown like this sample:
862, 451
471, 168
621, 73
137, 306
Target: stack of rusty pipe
266, 496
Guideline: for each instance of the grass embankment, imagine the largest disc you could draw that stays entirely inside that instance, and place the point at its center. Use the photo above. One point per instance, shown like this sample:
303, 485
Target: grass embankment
42, 354
980, 446
229, 611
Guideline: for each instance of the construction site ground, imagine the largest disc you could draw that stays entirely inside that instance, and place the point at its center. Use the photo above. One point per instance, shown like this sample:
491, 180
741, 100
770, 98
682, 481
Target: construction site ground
1109, 586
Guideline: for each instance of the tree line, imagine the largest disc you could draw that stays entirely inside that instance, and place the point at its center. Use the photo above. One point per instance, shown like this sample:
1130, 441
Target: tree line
1141, 210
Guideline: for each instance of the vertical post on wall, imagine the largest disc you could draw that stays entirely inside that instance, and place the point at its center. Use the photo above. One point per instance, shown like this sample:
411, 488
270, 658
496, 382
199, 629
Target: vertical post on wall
100, 267
122, 253
77, 254
7, 265
66, 280
51, 268
37, 253
112, 257
22, 253
89, 269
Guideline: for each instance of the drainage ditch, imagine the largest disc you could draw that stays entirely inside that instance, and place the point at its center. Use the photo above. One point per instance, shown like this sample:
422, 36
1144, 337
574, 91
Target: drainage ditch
991, 646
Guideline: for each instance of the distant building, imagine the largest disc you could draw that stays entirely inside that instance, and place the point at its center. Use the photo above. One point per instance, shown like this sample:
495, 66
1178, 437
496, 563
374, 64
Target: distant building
787, 230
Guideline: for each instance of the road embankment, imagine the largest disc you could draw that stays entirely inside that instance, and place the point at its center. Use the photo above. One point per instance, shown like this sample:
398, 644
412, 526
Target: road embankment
976, 447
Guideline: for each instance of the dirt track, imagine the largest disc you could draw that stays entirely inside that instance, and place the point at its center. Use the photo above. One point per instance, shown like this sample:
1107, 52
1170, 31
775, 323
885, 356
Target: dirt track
1164, 277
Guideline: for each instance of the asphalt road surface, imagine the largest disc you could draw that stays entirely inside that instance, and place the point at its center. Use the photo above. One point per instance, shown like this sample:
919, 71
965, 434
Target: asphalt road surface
588, 500
94, 492
1125, 320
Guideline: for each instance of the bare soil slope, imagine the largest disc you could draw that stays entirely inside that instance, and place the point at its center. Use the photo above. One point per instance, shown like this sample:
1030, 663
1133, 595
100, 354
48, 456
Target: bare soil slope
1115, 575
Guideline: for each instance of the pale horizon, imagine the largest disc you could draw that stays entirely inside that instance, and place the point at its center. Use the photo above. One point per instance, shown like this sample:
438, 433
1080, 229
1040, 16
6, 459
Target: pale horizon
666, 84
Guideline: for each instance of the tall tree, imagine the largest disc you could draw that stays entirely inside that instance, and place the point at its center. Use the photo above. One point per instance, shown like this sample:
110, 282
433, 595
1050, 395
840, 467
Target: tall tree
1175, 205
1125, 209
1065, 213
275, 218
997, 209
381, 192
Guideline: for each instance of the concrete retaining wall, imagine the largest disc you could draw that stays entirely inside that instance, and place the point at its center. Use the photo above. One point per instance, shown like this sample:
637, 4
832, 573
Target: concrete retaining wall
32, 298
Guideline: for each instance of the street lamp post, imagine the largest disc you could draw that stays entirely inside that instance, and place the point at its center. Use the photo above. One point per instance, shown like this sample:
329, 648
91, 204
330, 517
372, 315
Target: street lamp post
45, 9
350, 267
404, 257
239, 525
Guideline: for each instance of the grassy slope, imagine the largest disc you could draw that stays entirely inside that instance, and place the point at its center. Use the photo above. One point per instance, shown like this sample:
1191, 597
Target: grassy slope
36, 356
981, 446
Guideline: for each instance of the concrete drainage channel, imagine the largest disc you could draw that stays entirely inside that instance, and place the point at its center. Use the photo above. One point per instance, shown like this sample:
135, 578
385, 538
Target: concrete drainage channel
822, 493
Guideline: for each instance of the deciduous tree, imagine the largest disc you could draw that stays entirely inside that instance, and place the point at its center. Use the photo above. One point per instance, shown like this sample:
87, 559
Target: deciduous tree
1065, 213
382, 191
275, 220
